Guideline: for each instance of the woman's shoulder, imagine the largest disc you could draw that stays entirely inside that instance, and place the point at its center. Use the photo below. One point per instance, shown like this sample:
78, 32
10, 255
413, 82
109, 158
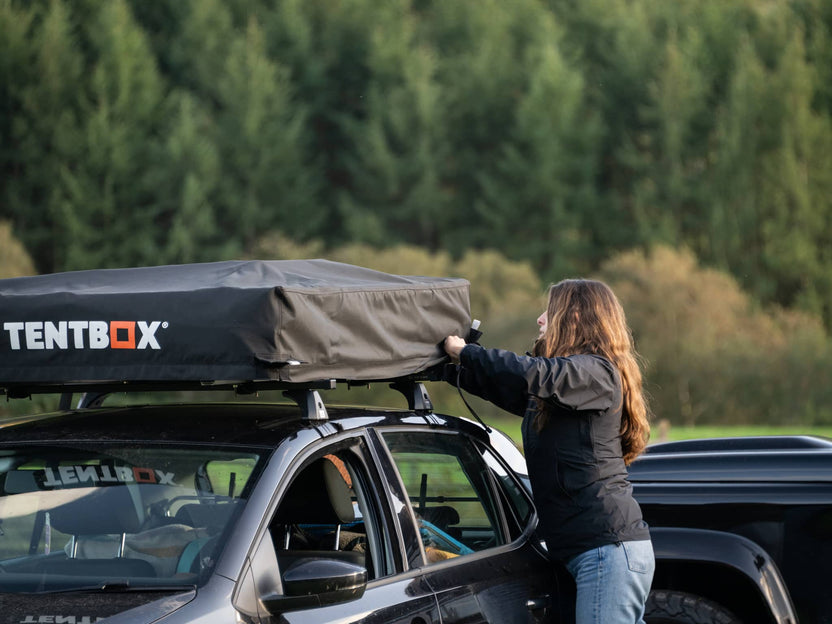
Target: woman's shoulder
597, 366
591, 360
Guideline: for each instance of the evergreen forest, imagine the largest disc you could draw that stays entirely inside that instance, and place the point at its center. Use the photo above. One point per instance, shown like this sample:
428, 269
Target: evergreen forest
679, 150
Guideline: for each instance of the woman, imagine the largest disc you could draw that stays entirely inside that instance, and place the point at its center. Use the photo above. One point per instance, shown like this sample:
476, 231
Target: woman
584, 419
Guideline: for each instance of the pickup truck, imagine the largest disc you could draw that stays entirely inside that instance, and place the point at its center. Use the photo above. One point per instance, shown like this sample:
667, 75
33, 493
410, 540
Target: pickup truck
741, 529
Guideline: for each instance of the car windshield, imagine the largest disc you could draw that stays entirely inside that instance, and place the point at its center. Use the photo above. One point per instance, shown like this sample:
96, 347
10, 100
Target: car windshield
116, 516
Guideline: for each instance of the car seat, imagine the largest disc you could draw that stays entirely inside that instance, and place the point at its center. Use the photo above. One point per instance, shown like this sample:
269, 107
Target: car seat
104, 512
311, 514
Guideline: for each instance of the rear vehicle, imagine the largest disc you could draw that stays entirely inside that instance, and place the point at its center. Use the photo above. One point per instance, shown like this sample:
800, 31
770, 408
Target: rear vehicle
741, 528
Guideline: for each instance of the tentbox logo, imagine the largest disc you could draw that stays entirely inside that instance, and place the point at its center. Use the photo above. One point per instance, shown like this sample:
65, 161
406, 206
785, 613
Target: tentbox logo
38, 335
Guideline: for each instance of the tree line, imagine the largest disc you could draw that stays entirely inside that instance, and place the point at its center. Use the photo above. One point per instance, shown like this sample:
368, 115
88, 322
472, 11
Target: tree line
520, 142
557, 132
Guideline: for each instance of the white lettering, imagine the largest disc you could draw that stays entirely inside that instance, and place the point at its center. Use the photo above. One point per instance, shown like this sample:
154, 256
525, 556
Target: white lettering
68, 474
34, 335
124, 474
106, 475
71, 475
50, 480
165, 478
55, 336
99, 335
78, 328
40, 335
14, 330
86, 473
148, 335
60, 619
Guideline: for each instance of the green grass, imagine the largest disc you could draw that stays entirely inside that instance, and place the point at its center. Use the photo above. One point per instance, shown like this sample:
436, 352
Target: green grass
511, 426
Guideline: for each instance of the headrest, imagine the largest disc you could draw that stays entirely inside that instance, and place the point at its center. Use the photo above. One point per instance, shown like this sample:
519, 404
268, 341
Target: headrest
213, 516
20, 481
318, 495
105, 510
442, 516
106, 568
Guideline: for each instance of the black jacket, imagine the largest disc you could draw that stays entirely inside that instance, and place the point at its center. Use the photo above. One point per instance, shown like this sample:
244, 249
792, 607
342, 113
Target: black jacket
575, 463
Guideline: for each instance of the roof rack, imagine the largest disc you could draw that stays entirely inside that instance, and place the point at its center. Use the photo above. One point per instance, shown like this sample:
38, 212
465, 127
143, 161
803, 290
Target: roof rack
92, 394
310, 403
416, 394
26, 390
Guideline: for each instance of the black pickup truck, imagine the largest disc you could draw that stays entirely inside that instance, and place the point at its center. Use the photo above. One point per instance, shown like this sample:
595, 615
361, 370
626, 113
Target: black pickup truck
742, 529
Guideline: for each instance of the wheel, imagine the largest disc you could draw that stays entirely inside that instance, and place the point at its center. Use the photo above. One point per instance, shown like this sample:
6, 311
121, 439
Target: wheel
675, 607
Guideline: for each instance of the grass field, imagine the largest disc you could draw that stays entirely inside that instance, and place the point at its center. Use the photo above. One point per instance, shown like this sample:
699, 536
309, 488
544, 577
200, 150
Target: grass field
512, 428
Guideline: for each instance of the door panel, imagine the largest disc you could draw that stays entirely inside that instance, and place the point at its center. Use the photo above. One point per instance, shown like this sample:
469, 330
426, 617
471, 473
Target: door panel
394, 601
514, 587
475, 520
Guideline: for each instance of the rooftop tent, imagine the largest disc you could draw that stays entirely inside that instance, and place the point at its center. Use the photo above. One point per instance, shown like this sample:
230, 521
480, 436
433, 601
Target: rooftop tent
291, 321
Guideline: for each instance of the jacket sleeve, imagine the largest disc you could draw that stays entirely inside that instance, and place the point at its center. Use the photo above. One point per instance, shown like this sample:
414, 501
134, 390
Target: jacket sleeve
472, 379
578, 382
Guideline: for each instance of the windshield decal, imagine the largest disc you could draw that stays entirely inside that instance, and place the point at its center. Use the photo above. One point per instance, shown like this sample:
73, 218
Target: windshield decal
60, 619
103, 475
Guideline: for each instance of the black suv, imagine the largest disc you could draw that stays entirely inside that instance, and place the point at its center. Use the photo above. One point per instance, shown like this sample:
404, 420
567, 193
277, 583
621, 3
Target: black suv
741, 528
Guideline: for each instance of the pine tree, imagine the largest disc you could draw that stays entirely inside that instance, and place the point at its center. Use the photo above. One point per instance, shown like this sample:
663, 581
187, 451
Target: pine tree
397, 149
15, 61
109, 211
794, 215
187, 188
542, 183
771, 210
268, 181
45, 129
324, 46
666, 202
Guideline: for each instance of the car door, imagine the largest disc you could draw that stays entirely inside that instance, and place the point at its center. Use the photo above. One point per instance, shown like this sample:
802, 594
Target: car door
333, 521
476, 522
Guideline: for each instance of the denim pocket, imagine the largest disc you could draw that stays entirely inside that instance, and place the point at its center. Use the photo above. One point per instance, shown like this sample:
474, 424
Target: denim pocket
639, 556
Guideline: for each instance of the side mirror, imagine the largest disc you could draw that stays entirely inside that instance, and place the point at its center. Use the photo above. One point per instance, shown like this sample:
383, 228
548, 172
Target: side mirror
315, 582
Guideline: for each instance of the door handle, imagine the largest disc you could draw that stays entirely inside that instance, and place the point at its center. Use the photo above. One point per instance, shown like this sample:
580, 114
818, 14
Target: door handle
539, 602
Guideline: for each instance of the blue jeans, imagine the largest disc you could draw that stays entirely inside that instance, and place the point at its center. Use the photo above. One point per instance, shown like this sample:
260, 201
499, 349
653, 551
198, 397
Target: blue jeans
613, 582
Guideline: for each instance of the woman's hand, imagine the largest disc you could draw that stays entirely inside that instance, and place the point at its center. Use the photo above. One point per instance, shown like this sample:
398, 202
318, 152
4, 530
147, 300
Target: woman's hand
453, 347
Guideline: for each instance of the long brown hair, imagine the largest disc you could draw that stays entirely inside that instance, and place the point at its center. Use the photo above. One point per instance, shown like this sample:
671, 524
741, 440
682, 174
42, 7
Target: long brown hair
585, 317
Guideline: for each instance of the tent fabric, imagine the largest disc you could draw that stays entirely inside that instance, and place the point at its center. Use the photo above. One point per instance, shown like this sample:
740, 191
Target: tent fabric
283, 320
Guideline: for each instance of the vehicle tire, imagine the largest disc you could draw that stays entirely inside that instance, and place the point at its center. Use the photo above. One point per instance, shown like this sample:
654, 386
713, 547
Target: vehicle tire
675, 607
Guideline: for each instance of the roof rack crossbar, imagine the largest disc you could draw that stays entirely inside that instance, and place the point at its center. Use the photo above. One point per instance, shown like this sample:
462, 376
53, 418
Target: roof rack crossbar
65, 402
91, 399
15, 391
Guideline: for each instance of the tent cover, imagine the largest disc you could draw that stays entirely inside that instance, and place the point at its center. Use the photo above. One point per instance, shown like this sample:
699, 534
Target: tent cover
295, 321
